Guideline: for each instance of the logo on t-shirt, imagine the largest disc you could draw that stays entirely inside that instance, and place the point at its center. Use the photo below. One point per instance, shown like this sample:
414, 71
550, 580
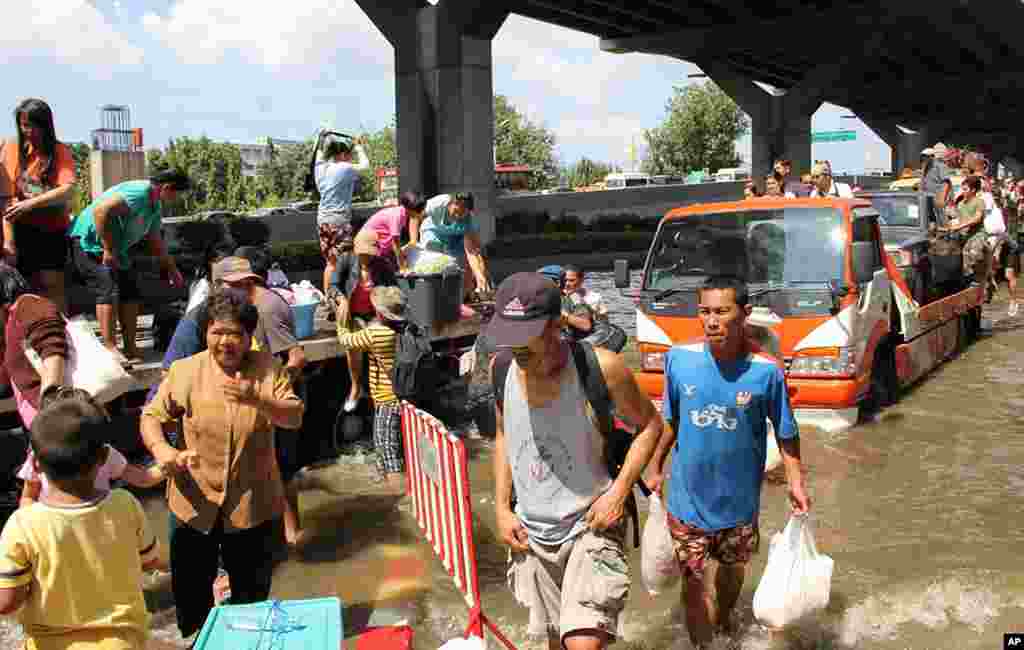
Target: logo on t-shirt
743, 398
713, 415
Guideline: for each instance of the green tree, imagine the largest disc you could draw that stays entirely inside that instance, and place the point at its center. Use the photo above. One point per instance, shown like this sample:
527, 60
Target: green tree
518, 140
587, 172
80, 152
699, 132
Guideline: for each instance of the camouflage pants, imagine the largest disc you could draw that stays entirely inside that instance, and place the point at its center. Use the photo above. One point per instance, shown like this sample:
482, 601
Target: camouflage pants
975, 252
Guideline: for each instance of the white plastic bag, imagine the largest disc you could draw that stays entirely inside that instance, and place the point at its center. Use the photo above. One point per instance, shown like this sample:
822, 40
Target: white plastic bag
995, 224
773, 458
659, 568
472, 643
797, 579
199, 292
306, 293
90, 365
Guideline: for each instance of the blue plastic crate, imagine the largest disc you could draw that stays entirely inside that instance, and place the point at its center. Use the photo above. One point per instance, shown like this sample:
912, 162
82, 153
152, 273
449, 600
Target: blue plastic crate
313, 624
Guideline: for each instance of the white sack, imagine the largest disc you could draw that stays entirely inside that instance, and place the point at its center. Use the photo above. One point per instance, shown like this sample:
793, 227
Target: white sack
797, 579
659, 568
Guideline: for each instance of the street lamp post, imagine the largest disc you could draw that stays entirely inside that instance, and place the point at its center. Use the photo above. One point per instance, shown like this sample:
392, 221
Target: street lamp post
856, 180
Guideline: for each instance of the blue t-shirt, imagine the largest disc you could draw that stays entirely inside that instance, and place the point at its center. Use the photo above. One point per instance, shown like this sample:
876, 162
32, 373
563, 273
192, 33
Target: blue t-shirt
336, 181
720, 417
441, 234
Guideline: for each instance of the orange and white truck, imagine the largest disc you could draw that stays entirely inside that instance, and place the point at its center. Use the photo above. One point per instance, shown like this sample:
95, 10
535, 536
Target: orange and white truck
828, 298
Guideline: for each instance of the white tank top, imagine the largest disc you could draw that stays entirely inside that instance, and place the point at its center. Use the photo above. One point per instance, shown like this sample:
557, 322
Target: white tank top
556, 455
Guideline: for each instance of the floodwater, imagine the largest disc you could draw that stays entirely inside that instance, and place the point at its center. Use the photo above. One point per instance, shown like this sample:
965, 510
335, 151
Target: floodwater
922, 511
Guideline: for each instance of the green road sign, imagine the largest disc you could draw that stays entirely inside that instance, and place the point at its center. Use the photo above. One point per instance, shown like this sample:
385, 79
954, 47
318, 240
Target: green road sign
833, 136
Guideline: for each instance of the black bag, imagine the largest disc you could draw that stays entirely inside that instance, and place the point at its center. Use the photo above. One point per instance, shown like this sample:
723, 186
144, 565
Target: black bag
616, 440
416, 368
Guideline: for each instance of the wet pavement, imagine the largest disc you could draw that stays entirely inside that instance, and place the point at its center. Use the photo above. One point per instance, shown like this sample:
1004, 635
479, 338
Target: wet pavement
920, 508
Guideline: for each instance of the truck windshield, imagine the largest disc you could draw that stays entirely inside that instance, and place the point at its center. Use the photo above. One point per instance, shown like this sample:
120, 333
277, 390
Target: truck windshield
898, 210
765, 247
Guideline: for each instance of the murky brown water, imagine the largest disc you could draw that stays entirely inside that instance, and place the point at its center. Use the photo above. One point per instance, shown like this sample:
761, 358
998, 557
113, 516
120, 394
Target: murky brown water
922, 511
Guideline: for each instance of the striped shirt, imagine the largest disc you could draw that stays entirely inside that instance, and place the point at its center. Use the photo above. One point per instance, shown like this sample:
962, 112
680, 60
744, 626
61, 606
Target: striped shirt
380, 341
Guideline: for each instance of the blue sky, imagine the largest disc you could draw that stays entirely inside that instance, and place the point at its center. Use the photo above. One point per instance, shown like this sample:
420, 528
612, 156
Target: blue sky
238, 70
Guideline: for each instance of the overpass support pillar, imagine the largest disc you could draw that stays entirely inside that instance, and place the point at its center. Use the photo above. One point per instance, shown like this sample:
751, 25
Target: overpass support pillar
906, 147
444, 97
780, 123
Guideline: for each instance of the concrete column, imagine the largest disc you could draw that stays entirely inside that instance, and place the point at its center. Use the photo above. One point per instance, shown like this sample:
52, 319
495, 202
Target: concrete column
906, 147
444, 99
780, 124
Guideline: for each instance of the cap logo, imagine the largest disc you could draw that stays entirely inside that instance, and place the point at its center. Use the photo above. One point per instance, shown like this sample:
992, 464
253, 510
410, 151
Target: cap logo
514, 308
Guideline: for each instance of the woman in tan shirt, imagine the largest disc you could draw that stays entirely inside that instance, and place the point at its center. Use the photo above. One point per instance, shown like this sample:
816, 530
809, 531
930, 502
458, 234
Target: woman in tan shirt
224, 502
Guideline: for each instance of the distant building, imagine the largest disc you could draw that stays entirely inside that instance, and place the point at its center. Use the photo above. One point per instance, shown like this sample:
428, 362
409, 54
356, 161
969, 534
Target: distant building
254, 155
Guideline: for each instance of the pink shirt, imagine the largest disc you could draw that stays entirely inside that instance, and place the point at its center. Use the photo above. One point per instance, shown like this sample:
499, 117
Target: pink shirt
388, 224
110, 470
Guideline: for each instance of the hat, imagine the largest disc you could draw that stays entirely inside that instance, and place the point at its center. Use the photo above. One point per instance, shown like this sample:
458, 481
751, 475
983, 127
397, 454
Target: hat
233, 269
524, 304
939, 150
365, 243
389, 302
553, 272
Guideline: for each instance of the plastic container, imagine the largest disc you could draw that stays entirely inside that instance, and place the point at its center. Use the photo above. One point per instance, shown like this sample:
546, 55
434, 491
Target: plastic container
433, 299
305, 316
314, 624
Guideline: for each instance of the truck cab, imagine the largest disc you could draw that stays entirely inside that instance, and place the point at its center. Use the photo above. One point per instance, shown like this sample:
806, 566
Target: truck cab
828, 300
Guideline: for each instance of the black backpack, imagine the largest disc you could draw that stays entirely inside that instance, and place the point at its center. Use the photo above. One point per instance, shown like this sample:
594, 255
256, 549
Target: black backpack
616, 440
416, 369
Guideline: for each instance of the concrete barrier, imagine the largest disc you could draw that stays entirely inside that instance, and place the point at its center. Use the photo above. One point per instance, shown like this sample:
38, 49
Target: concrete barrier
632, 203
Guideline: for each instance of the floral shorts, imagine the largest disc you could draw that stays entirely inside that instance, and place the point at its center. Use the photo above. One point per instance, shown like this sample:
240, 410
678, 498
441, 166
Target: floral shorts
335, 240
694, 546
975, 250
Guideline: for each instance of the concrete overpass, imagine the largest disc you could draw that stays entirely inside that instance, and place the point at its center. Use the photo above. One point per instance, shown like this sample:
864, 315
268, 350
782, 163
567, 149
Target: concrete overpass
944, 68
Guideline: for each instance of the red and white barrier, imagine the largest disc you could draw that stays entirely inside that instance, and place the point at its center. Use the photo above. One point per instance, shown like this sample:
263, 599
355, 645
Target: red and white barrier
438, 482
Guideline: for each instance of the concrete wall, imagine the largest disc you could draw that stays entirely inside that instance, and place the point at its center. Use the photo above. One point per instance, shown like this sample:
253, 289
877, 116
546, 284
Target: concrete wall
108, 168
643, 203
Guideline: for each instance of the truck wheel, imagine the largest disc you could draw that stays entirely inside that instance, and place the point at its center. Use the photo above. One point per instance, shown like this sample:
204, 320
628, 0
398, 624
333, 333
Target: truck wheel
884, 380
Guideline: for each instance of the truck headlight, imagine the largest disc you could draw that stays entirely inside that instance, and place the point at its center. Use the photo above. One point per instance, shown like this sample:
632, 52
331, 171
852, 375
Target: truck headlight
824, 362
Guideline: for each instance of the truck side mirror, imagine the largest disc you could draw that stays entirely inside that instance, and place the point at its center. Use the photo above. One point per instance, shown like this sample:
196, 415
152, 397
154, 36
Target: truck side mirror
864, 255
621, 274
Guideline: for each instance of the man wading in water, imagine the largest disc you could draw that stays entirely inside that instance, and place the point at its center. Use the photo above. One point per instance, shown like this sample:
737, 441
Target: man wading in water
567, 530
718, 394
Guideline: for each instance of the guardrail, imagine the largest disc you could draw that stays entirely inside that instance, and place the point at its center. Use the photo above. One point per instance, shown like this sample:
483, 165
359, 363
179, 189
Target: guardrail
438, 481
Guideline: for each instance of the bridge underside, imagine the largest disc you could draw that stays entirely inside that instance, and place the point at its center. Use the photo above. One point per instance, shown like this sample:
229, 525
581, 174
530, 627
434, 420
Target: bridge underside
946, 69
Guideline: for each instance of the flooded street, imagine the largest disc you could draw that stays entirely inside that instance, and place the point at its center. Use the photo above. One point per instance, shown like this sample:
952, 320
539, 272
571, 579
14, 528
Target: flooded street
921, 510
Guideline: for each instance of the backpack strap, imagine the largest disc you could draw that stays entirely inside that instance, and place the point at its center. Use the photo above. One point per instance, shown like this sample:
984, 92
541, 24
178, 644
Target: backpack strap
499, 373
594, 385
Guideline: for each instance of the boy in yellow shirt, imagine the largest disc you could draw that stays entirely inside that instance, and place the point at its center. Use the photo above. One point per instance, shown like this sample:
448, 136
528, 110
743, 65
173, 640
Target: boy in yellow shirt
73, 562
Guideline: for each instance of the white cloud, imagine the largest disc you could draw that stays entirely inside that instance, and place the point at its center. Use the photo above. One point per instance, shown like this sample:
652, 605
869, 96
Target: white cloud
72, 31
552, 66
609, 133
274, 34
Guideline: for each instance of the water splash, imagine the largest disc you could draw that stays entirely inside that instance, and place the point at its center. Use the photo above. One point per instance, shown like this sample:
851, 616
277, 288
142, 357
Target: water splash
940, 605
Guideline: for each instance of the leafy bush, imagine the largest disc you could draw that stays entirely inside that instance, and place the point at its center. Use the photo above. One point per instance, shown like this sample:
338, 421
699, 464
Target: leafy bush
247, 231
199, 234
297, 256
